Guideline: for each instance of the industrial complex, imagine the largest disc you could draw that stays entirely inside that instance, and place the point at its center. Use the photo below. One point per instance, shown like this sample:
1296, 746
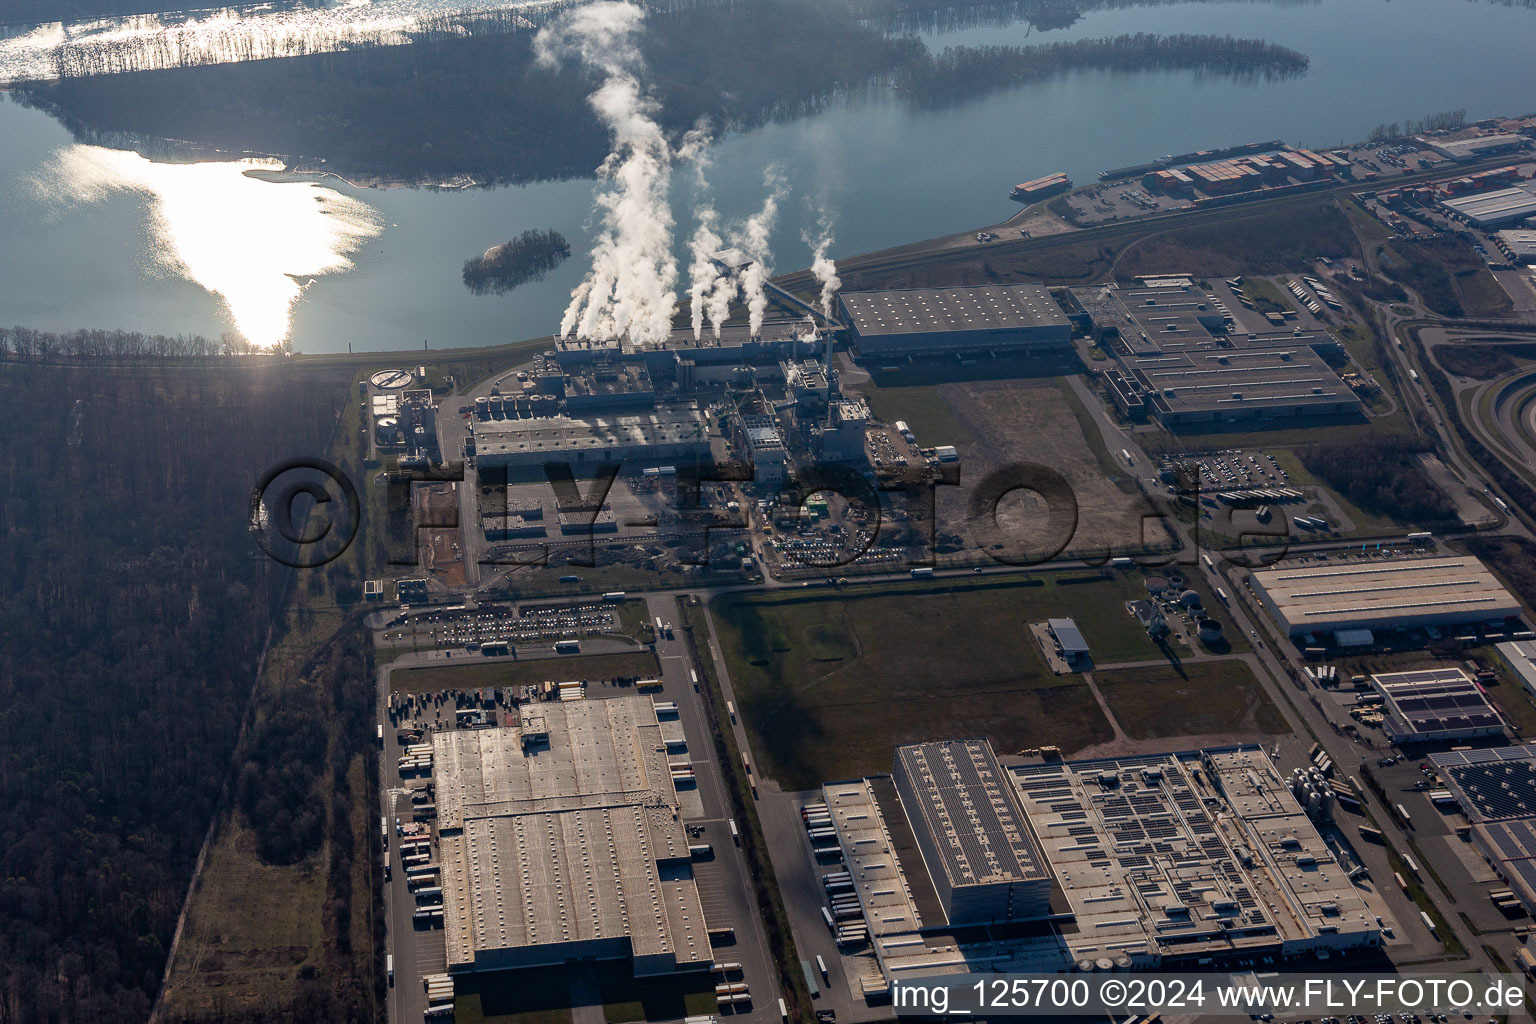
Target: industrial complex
1183, 357
1323, 597
1173, 860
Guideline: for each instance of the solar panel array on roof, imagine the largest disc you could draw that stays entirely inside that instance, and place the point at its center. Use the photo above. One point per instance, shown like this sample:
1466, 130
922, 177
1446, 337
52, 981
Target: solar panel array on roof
1496, 788
1496, 784
965, 803
1436, 704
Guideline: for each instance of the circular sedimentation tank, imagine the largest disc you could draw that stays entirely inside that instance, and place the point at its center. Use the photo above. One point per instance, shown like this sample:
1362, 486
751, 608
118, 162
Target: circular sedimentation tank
391, 380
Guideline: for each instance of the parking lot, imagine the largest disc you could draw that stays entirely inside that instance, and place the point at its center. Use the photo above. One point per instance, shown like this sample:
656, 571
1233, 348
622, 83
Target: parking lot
538, 623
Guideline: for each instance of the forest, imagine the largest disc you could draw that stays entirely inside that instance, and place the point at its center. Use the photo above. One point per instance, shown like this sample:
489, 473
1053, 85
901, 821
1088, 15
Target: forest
1382, 475
528, 257
133, 611
971, 70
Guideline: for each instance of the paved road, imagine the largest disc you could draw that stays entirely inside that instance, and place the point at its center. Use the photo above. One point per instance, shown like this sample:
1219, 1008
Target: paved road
728, 865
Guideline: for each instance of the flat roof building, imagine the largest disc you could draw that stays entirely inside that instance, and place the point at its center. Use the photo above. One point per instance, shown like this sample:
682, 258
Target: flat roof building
1519, 244
671, 432
561, 839
1165, 860
1070, 638
1435, 705
1496, 789
1496, 209
1520, 656
934, 321
980, 855
1180, 859
1321, 597
1184, 358
1475, 147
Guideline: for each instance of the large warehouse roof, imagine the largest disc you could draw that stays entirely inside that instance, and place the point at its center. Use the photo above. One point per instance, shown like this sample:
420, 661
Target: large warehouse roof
1503, 206
996, 307
550, 846
1371, 593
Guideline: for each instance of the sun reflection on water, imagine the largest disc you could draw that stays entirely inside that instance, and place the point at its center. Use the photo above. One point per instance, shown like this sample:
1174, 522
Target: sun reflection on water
253, 243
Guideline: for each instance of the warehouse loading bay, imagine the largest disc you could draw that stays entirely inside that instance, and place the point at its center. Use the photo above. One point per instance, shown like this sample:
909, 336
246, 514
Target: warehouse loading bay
417, 716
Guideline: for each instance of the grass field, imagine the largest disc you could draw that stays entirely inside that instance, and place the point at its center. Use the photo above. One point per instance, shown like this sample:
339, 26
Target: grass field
923, 409
1206, 697
830, 682
475, 674
239, 945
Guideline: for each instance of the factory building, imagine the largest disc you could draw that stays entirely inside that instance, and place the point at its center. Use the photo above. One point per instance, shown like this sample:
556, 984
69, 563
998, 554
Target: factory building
606, 385
1500, 208
1520, 656
1496, 790
1007, 318
1176, 861
1519, 244
674, 433
980, 856
1318, 597
561, 840
708, 356
1184, 358
1440, 705
770, 458
1476, 147
843, 438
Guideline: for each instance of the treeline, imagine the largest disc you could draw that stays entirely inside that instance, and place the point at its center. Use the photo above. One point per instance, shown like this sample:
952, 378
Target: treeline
528, 257
116, 347
1383, 476
133, 609
1445, 120
970, 70
27, 12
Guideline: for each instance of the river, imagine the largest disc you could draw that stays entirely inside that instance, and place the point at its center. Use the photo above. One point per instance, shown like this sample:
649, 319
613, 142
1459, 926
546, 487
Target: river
106, 239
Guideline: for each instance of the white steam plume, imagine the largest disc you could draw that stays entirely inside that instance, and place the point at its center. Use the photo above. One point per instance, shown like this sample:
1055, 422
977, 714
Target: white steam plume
822, 267
753, 242
630, 285
710, 290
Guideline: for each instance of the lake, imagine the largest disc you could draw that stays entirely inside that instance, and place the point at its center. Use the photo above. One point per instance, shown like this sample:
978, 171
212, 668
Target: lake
106, 239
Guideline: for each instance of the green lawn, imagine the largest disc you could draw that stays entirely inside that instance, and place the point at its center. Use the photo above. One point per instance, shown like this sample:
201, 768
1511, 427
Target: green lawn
475, 674
923, 409
1202, 697
829, 681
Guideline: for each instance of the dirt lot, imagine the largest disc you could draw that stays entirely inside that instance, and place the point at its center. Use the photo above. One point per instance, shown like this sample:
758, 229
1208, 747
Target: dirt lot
1032, 421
